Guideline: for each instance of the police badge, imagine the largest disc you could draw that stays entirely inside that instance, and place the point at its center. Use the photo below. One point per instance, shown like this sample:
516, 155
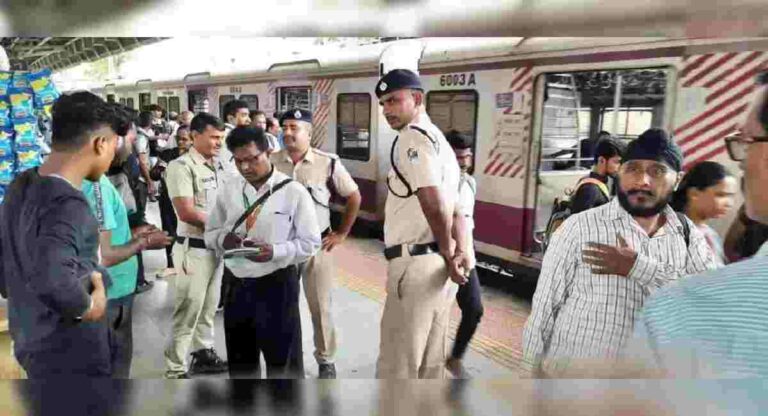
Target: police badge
297, 114
383, 86
413, 155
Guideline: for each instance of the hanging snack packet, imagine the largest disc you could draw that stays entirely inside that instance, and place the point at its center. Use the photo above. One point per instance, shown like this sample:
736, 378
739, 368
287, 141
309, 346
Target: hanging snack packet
2, 193
19, 81
7, 172
27, 158
22, 104
6, 143
5, 82
5, 112
26, 132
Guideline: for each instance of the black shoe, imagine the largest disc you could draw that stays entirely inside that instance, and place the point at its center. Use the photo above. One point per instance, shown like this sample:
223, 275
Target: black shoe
207, 362
327, 371
144, 286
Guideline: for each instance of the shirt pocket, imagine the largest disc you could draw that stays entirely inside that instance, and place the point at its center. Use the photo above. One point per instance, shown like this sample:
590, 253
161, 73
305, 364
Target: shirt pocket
280, 226
320, 194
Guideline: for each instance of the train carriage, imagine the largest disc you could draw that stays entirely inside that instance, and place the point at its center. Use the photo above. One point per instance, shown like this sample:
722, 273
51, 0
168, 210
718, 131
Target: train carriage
528, 103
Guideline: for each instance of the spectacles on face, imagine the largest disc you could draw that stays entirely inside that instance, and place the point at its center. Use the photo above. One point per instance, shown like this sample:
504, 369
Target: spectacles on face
738, 145
654, 171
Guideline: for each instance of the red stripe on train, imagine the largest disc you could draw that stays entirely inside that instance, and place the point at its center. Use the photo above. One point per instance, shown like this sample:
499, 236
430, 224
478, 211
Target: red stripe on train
723, 119
520, 75
749, 58
703, 116
745, 77
711, 155
695, 64
708, 70
718, 136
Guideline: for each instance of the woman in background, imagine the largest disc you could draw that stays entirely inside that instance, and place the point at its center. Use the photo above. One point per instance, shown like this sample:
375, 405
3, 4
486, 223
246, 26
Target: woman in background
707, 192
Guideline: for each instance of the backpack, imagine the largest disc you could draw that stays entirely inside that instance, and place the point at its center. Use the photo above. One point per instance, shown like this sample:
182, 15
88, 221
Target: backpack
561, 210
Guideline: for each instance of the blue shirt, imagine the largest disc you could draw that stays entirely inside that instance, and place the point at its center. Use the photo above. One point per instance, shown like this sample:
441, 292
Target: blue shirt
711, 325
113, 217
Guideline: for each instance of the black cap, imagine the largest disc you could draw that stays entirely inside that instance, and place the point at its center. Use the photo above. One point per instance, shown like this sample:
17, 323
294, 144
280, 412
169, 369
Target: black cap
296, 114
397, 79
655, 144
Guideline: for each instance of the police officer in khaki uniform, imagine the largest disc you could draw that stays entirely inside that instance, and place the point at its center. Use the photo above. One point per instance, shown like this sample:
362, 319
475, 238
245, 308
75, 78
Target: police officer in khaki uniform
424, 236
192, 183
318, 171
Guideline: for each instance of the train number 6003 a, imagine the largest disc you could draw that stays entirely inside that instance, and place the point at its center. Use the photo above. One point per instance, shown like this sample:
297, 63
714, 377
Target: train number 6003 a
452, 80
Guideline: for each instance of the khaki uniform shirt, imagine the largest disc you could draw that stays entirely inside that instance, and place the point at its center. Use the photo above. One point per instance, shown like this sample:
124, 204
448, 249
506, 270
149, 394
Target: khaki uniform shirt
313, 172
190, 176
423, 162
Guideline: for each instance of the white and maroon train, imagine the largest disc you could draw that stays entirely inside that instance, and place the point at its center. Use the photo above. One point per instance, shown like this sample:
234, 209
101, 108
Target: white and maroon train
527, 103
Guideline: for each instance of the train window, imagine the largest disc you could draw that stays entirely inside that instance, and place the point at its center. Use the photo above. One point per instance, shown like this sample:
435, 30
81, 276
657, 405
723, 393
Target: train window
129, 103
294, 97
121, 101
110, 98
454, 110
582, 107
145, 100
223, 100
163, 102
251, 99
174, 105
353, 128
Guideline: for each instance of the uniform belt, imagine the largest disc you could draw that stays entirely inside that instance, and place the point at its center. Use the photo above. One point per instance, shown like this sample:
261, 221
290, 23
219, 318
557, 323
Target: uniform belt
193, 242
413, 249
325, 233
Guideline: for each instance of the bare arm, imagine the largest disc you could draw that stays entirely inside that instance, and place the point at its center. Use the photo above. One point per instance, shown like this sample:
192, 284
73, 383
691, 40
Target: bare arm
185, 207
351, 208
439, 219
144, 167
112, 255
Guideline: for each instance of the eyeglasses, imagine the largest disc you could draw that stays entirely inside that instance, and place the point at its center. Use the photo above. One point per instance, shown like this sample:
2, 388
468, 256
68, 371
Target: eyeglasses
655, 171
738, 145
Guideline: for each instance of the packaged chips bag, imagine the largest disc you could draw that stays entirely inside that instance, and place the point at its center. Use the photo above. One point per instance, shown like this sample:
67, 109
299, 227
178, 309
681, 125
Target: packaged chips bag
42, 84
22, 104
26, 132
2, 193
5, 82
6, 143
7, 171
5, 112
20, 81
27, 158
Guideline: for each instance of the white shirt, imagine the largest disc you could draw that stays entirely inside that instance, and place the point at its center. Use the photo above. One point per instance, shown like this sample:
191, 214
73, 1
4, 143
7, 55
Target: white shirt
580, 315
286, 220
274, 145
467, 202
225, 156
423, 164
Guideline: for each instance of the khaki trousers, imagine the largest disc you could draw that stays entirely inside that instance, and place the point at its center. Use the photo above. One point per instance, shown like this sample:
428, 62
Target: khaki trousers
318, 275
414, 327
196, 296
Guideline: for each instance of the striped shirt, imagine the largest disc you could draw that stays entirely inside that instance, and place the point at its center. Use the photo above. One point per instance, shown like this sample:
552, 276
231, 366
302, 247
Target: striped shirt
580, 315
709, 326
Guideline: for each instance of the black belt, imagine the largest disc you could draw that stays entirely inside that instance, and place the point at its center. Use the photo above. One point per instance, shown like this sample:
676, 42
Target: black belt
325, 233
413, 249
193, 242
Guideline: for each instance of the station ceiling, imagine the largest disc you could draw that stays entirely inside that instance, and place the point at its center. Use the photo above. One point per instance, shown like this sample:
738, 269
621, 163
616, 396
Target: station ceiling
58, 53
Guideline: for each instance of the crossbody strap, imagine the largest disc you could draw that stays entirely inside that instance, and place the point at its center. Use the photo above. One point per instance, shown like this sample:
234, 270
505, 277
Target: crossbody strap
259, 202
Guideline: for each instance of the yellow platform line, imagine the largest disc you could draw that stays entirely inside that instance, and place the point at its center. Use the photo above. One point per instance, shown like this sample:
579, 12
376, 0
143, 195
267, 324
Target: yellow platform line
500, 353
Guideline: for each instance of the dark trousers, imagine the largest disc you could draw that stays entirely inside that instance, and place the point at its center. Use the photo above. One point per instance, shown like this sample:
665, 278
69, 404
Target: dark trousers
168, 221
120, 319
261, 316
139, 218
471, 305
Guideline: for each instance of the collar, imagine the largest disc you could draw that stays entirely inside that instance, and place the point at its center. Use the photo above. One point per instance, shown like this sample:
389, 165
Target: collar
421, 119
144, 131
275, 177
763, 250
199, 159
229, 126
309, 156
617, 213
601, 178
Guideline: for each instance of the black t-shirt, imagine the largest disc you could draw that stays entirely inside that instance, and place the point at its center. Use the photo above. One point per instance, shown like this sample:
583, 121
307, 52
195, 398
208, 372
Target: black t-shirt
49, 243
589, 195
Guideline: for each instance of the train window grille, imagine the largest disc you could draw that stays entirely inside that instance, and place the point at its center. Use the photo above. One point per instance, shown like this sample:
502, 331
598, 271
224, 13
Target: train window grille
122, 101
174, 105
223, 100
294, 97
129, 102
163, 102
145, 100
251, 99
580, 105
353, 127
454, 110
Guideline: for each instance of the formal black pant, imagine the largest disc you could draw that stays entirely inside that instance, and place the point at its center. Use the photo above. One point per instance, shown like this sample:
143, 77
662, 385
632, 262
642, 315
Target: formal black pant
138, 218
168, 221
261, 316
120, 319
471, 305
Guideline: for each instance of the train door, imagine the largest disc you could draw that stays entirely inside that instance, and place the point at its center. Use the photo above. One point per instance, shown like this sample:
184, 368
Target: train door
575, 107
248, 93
197, 100
352, 134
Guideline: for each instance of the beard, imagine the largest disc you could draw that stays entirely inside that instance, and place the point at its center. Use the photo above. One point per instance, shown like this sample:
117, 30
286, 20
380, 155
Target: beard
643, 212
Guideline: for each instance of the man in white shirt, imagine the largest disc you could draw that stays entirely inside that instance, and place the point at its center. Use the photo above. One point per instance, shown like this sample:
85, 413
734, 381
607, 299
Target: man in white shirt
265, 210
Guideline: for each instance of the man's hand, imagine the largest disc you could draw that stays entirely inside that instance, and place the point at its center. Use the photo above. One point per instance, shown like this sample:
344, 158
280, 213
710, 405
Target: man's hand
456, 268
332, 240
143, 230
264, 256
232, 241
151, 188
605, 259
157, 240
99, 298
